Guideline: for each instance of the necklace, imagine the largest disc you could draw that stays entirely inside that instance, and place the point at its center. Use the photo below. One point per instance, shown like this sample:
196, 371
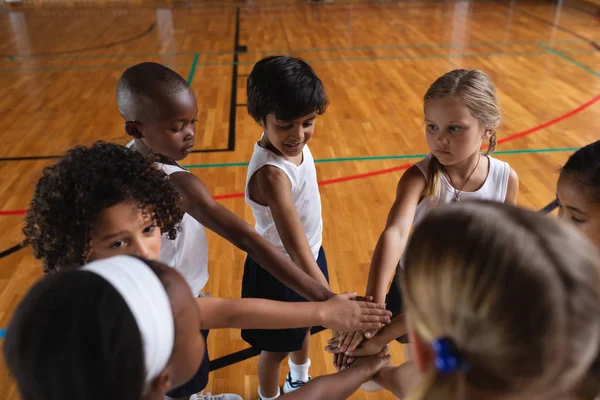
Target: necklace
456, 198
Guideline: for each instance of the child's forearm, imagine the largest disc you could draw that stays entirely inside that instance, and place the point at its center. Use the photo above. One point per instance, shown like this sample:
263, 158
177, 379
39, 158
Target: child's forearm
387, 253
258, 314
390, 332
311, 285
338, 386
399, 380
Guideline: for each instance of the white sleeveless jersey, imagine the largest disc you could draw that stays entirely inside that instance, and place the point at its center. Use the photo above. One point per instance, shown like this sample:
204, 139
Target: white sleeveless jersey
305, 194
494, 189
188, 253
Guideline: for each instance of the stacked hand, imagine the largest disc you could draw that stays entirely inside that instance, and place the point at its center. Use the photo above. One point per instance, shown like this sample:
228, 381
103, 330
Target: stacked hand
348, 312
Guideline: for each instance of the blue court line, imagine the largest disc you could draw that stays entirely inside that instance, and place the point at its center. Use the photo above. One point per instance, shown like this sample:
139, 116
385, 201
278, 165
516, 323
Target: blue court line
306, 50
2, 333
570, 60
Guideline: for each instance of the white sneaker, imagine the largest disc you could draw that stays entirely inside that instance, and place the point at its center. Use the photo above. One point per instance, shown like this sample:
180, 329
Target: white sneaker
208, 396
290, 386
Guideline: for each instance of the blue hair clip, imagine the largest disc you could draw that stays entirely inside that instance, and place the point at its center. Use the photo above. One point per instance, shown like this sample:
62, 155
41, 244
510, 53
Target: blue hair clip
447, 357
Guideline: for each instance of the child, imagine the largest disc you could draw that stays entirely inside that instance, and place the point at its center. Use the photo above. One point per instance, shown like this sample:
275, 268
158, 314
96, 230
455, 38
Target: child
122, 204
461, 113
578, 191
125, 329
160, 111
285, 96
501, 303
578, 194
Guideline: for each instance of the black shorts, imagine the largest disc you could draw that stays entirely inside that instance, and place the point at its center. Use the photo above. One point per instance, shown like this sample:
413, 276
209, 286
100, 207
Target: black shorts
258, 283
199, 381
395, 304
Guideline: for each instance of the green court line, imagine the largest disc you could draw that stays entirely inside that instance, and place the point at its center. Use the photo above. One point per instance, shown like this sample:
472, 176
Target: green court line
193, 70
80, 68
392, 157
568, 59
305, 50
347, 59
11, 58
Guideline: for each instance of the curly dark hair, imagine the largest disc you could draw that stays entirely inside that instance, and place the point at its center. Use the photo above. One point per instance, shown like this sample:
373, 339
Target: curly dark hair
70, 195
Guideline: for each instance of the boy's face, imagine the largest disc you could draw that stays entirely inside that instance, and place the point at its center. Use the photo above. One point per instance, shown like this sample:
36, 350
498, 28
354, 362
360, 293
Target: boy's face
577, 208
125, 229
169, 128
289, 137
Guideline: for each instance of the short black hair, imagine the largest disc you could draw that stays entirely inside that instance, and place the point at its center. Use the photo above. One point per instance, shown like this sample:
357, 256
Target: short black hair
140, 83
285, 86
585, 165
72, 193
73, 337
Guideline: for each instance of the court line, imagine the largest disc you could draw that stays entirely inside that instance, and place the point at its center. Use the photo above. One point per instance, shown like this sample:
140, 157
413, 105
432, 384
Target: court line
390, 157
193, 69
550, 23
314, 60
566, 58
315, 49
388, 170
98, 47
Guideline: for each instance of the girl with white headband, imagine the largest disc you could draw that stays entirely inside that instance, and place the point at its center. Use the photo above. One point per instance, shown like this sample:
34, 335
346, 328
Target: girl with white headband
125, 206
501, 303
123, 329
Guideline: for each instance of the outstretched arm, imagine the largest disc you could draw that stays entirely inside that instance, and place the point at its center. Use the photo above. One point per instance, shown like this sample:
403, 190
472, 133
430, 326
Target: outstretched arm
340, 312
198, 202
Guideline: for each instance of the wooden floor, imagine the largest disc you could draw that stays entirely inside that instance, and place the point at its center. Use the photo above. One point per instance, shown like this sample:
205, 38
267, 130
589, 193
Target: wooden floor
60, 61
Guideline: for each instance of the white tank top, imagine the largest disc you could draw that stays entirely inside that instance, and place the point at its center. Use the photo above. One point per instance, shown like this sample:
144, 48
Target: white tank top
188, 253
494, 189
305, 194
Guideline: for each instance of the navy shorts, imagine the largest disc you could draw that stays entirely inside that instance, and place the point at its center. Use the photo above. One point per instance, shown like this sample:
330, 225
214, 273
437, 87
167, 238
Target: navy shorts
258, 283
199, 381
394, 302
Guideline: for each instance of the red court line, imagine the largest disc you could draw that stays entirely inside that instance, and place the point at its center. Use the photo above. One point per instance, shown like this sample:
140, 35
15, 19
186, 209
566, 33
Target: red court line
401, 167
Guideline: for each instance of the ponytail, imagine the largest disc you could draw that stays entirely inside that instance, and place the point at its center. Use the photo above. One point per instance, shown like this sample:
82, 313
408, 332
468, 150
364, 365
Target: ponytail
434, 179
492, 144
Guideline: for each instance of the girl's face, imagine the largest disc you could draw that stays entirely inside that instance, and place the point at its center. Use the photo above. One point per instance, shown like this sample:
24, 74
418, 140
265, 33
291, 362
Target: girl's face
576, 206
125, 229
453, 133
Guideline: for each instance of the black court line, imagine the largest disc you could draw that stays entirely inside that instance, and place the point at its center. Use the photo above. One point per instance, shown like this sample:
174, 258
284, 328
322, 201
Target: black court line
11, 250
82, 50
550, 207
550, 23
32, 158
246, 354
234, 73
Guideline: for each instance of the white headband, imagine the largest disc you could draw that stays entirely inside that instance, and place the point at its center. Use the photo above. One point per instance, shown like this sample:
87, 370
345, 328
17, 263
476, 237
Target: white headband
148, 301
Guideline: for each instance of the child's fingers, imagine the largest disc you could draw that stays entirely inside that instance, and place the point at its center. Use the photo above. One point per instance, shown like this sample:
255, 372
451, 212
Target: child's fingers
332, 349
366, 304
363, 326
355, 342
364, 298
347, 340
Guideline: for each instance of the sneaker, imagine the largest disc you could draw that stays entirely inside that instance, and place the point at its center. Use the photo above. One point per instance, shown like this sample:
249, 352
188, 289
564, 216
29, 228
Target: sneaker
208, 396
290, 386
